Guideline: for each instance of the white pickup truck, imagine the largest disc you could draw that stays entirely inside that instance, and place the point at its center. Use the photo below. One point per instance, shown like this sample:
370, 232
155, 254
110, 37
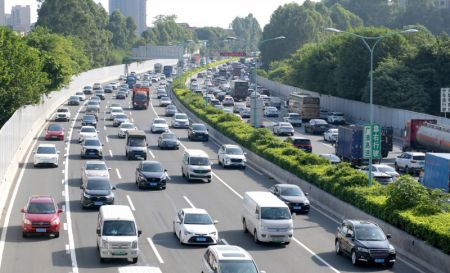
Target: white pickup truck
293, 118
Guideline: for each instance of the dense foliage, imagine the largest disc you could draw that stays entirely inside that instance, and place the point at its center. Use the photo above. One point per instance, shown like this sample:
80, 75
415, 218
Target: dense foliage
405, 203
166, 31
247, 31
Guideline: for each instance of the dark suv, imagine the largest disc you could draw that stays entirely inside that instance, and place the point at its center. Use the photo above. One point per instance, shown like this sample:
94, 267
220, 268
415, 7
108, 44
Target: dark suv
97, 192
364, 241
89, 120
301, 143
198, 131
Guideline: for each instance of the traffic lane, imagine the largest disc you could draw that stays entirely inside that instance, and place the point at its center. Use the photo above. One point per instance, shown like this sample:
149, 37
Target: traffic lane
27, 253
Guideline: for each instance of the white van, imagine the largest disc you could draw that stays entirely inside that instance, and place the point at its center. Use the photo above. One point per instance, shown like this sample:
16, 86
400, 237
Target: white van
267, 218
196, 165
117, 233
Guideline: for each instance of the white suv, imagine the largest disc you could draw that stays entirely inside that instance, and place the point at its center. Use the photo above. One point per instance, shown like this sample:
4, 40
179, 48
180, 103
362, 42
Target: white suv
228, 258
336, 118
410, 162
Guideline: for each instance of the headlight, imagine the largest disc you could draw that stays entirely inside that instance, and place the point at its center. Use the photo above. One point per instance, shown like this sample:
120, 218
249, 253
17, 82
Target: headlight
86, 195
110, 195
104, 243
391, 249
213, 233
187, 232
134, 244
362, 249
26, 221
306, 202
56, 221
287, 202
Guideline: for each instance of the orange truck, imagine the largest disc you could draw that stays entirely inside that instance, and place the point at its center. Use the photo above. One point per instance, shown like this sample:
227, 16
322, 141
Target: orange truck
141, 97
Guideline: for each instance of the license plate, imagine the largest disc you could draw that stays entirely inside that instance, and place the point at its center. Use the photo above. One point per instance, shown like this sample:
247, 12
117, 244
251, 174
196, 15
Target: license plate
379, 261
297, 207
92, 153
98, 203
201, 239
277, 240
54, 136
41, 230
153, 184
119, 253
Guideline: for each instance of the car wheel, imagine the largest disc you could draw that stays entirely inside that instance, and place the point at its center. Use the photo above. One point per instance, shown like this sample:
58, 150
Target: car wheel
244, 226
255, 237
406, 169
396, 167
134, 260
24, 235
209, 180
286, 243
180, 239
389, 265
338, 247
182, 173
56, 235
354, 258
102, 260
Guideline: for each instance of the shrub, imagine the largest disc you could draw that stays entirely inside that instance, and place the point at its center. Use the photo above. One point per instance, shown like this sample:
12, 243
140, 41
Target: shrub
406, 193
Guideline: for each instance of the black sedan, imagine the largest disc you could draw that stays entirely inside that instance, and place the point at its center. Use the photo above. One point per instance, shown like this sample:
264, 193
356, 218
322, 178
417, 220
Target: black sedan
151, 174
364, 241
293, 196
198, 131
89, 120
121, 95
97, 192
168, 141
73, 100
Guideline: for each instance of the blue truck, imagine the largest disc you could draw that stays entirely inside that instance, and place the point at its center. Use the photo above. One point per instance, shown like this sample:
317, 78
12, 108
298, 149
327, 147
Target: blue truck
167, 70
437, 171
350, 140
131, 81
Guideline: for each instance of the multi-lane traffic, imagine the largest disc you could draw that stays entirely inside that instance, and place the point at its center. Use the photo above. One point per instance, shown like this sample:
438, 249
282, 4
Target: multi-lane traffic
312, 249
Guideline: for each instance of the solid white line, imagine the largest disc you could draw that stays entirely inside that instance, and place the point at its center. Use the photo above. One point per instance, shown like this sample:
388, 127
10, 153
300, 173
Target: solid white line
131, 203
110, 153
152, 245
153, 108
63, 193
224, 241
151, 154
118, 173
315, 255
189, 202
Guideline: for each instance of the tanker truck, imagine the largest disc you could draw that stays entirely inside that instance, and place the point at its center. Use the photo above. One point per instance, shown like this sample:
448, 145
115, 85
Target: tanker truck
426, 135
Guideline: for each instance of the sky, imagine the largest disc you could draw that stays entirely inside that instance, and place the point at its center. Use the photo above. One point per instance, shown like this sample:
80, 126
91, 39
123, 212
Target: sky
198, 13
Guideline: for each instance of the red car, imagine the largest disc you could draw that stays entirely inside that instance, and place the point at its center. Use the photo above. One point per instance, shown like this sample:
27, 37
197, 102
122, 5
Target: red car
54, 131
41, 216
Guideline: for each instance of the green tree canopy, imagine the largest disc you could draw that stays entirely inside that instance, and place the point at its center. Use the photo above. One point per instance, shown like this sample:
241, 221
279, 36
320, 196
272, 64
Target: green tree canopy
248, 32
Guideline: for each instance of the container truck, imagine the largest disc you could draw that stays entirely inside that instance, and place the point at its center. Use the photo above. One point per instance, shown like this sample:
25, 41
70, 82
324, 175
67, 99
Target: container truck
437, 171
131, 81
167, 70
157, 67
239, 90
426, 135
349, 146
140, 98
306, 106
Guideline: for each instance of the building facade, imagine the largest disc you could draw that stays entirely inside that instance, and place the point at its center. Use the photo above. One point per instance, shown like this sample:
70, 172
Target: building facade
2, 13
21, 18
137, 9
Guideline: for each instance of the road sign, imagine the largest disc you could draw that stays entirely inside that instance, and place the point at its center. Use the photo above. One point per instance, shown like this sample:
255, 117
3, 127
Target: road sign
445, 100
375, 135
233, 54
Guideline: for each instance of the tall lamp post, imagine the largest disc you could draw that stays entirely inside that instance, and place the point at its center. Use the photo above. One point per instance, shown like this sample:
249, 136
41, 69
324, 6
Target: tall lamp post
375, 40
253, 105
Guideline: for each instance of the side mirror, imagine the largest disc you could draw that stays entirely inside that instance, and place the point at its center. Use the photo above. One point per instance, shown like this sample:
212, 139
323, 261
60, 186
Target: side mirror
139, 232
165, 170
293, 215
215, 222
389, 236
103, 144
23, 210
98, 232
60, 211
109, 169
306, 194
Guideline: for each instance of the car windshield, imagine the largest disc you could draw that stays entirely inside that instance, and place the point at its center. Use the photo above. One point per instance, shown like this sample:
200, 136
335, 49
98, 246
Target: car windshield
41, 208
181, 116
93, 102
54, 127
275, 213
369, 233
152, 167
98, 185
320, 122
302, 142
46, 150
90, 117
71, 98
165, 98
126, 126
159, 121
197, 219
199, 161
137, 142
121, 116
230, 266
171, 107
88, 130
385, 169
334, 131
116, 110
294, 116
169, 136
291, 191
96, 167
234, 151
79, 93
119, 228
92, 142
198, 127
285, 125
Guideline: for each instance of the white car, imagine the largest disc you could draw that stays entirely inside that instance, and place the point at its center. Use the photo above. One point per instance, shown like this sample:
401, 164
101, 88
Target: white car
410, 162
334, 159
62, 113
94, 168
180, 120
87, 131
336, 118
159, 125
230, 155
81, 95
383, 168
114, 111
271, 111
331, 135
46, 154
195, 226
124, 128
283, 128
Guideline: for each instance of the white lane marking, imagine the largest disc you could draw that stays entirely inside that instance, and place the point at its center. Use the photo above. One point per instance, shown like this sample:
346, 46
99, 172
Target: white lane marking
153, 108
110, 153
13, 198
189, 202
228, 186
131, 113
62, 181
63, 193
152, 245
315, 255
65, 226
151, 154
131, 203
224, 241
104, 127
331, 146
107, 139
67, 249
118, 173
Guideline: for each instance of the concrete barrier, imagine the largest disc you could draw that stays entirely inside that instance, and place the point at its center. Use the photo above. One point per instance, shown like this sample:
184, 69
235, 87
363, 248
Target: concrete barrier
408, 246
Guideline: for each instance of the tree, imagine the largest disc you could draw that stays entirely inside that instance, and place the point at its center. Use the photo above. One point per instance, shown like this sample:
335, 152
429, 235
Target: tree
344, 19
80, 18
247, 31
62, 56
21, 76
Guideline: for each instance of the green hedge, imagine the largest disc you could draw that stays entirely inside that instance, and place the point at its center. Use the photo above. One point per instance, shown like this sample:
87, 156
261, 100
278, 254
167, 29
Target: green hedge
343, 181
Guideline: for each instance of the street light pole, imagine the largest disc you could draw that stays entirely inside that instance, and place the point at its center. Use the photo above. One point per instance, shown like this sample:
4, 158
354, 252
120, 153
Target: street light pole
371, 49
254, 116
